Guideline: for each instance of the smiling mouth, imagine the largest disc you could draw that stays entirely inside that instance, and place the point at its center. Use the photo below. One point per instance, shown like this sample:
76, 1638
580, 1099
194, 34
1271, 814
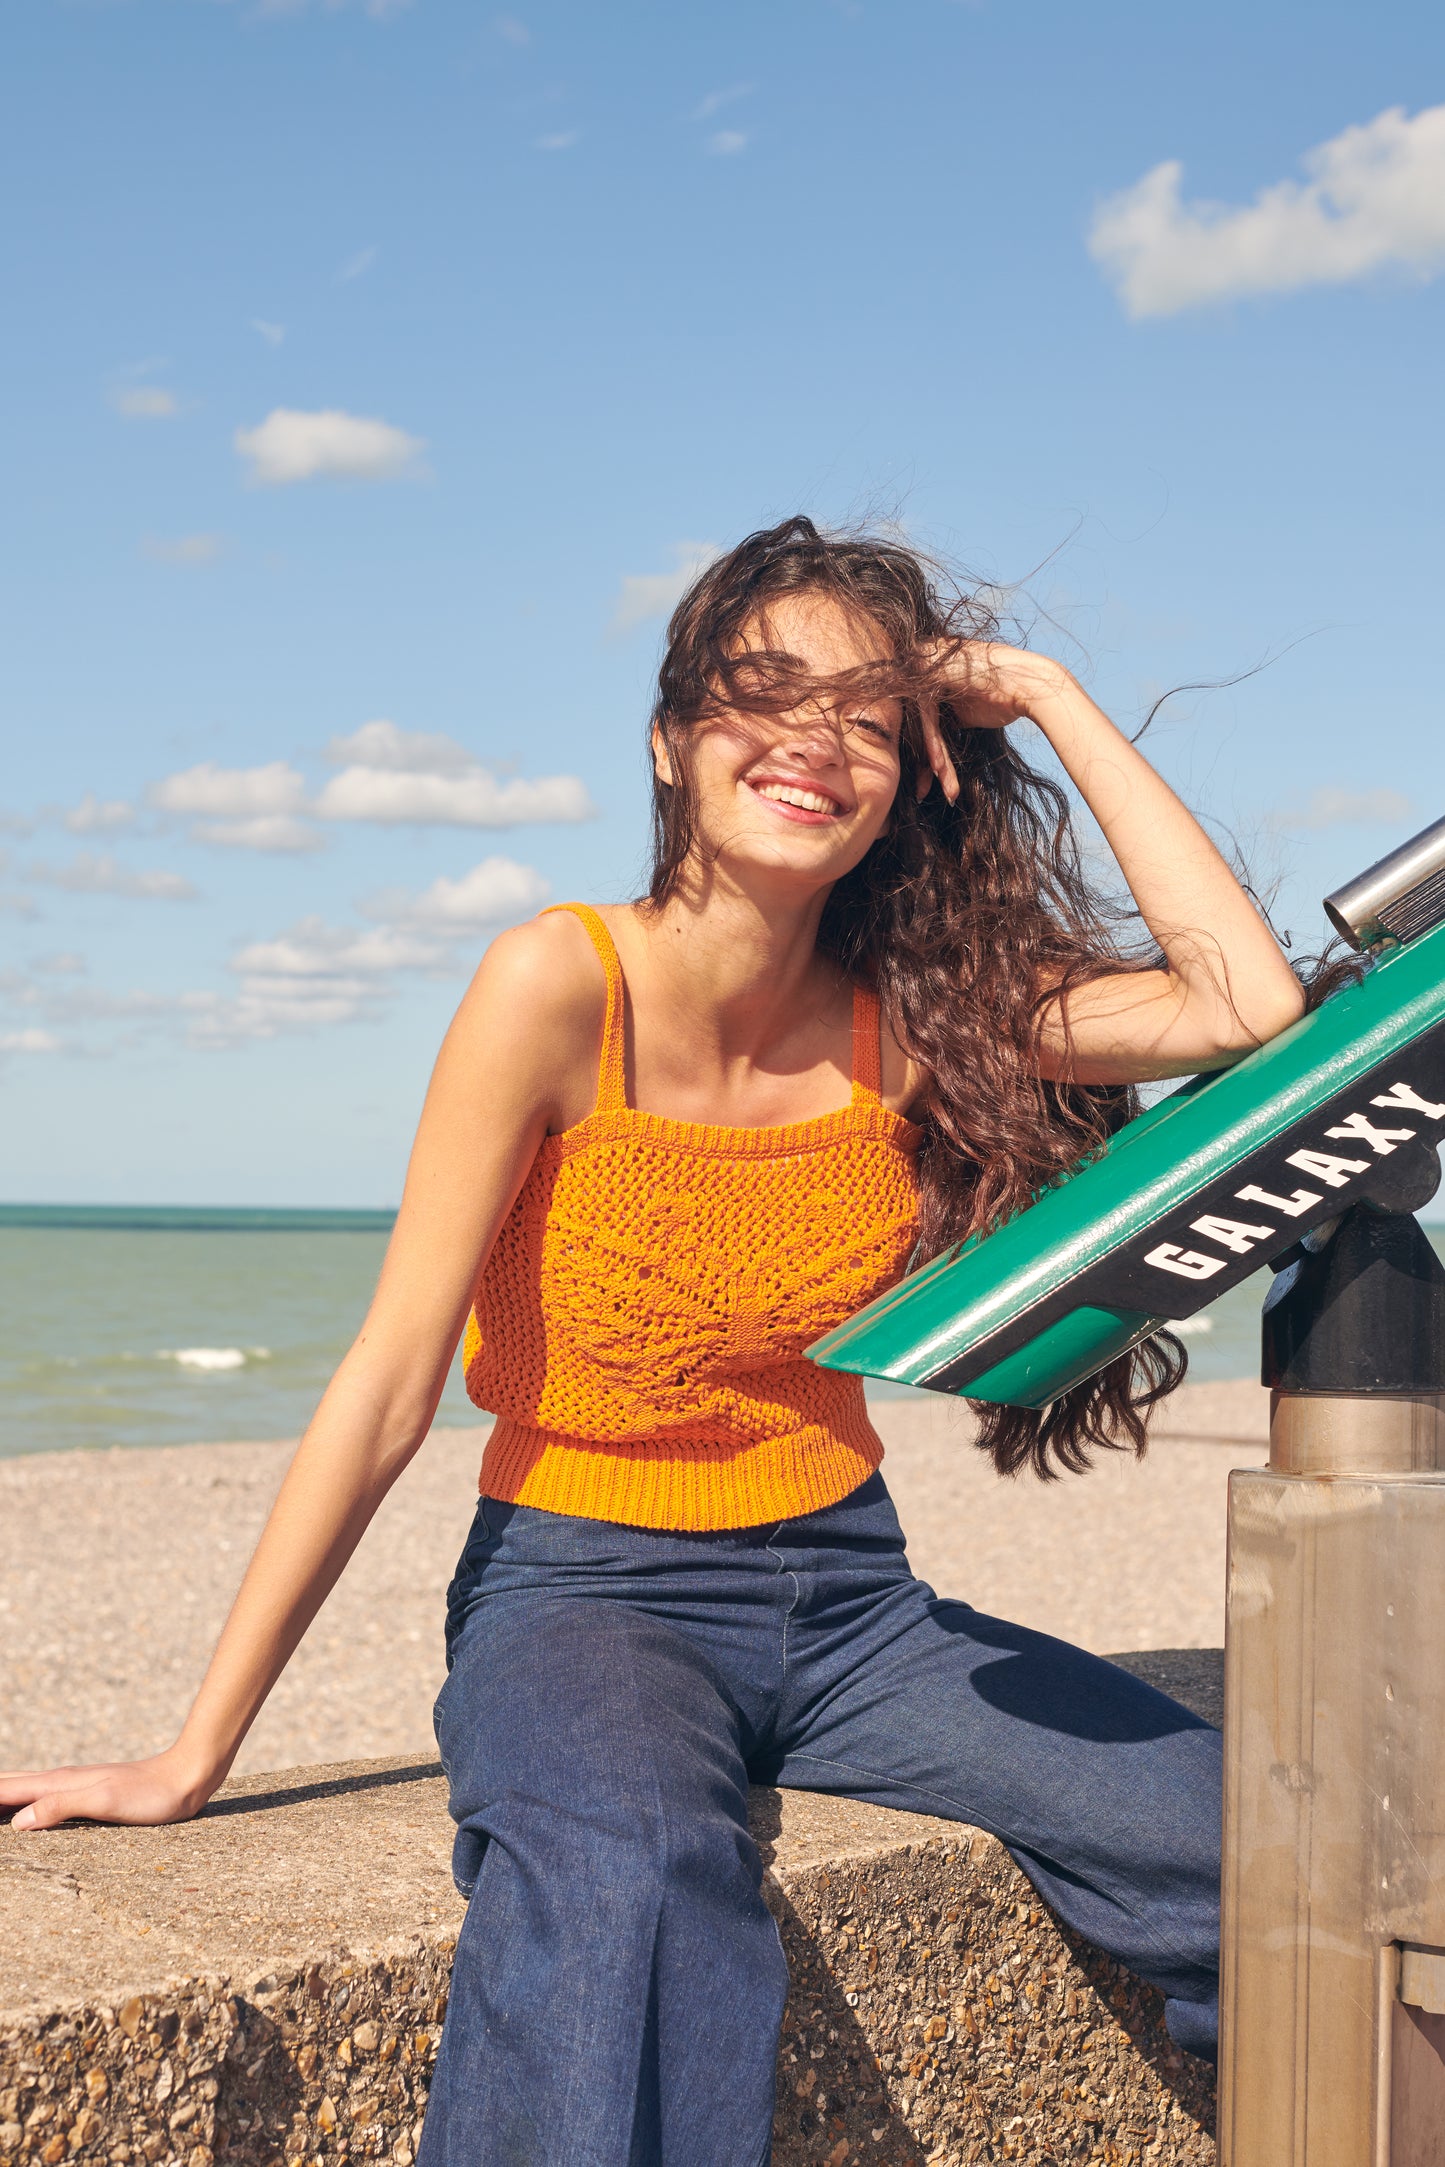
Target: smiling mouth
798, 800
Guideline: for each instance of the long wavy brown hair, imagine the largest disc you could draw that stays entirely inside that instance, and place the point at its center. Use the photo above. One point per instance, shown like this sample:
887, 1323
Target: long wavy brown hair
967, 919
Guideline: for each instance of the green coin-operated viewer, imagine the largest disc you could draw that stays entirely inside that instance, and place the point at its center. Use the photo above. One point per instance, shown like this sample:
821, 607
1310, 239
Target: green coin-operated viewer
1311, 1154
1197, 1193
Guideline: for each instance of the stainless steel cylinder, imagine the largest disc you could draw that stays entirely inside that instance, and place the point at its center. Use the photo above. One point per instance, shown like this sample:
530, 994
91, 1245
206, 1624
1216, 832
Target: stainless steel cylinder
1401, 896
1377, 1433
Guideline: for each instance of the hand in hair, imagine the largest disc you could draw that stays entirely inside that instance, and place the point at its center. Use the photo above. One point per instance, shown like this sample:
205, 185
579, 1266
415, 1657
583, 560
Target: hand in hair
987, 685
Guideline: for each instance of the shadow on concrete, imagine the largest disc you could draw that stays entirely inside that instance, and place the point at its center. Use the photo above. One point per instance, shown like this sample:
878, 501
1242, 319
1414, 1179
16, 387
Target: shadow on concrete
765, 1819
298, 1794
1138, 2010
1192, 1676
835, 2058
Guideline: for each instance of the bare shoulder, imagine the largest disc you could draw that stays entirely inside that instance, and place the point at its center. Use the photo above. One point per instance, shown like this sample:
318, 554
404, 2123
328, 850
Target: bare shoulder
549, 962
539, 997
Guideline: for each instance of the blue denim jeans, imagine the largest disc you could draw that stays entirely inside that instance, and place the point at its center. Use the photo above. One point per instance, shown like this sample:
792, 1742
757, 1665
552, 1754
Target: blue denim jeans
611, 1691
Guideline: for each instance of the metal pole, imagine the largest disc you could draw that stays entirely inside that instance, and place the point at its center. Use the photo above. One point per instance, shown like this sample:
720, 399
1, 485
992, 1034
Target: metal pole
1333, 1990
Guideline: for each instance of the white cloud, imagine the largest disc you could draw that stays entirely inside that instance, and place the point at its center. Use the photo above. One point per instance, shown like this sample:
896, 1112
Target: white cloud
32, 1040
273, 334
145, 402
311, 977
1329, 807
656, 594
319, 952
291, 446
316, 975
717, 99
388, 777
1374, 197
273, 832
498, 891
379, 11
182, 548
61, 963
99, 816
396, 777
98, 1004
231, 793
510, 31
474, 800
727, 143
240, 808
357, 266
406, 752
90, 875
17, 906
264, 1010
565, 141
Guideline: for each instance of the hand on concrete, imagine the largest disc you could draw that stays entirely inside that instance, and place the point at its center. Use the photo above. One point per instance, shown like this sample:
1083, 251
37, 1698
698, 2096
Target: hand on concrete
142, 1793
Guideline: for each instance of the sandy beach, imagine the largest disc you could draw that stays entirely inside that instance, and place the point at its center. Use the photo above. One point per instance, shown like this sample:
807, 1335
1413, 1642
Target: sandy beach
117, 1569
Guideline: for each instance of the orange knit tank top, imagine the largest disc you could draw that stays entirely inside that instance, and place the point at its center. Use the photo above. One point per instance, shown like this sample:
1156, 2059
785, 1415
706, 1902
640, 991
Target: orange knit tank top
640, 1324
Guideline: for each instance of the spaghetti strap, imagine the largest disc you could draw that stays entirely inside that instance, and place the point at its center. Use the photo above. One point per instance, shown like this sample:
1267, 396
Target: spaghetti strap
611, 1071
867, 1048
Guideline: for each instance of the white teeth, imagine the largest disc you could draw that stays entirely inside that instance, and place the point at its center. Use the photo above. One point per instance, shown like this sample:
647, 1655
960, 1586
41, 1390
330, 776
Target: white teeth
805, 800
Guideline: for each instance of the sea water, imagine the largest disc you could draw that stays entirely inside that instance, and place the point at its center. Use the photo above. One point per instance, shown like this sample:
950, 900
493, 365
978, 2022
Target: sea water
168, 1327
177, 1327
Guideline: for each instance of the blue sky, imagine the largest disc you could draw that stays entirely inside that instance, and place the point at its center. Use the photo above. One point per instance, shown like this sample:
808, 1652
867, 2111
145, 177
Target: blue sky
379, 368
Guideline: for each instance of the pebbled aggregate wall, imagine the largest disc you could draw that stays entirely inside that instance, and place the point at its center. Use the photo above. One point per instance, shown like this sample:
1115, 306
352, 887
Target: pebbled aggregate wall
938, 2014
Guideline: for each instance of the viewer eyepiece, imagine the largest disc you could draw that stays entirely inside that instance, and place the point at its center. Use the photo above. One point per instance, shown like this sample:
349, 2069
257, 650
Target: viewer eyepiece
1393, 901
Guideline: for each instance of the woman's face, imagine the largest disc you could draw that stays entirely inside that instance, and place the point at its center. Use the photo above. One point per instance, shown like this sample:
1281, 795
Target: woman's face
803, 794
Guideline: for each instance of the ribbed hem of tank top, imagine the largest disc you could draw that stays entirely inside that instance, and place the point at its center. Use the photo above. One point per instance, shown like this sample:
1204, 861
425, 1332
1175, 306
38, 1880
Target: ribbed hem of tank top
693, 1488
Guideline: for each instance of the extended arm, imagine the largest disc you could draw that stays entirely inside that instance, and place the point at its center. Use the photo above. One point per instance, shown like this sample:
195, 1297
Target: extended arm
492, 1095
1226, 985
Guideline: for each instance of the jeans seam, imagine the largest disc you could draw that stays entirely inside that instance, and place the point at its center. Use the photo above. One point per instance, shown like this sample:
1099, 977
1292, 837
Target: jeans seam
797, 1592
879, 1775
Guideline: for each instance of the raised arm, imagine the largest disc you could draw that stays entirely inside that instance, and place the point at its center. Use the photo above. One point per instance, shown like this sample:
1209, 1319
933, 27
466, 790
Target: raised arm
521, 1045
1226, 985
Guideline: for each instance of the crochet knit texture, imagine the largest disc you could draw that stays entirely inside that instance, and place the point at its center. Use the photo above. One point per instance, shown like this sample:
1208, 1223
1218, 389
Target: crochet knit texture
640, 1324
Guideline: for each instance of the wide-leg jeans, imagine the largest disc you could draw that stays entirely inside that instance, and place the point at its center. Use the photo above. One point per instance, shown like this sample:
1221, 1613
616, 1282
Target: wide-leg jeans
611, 1692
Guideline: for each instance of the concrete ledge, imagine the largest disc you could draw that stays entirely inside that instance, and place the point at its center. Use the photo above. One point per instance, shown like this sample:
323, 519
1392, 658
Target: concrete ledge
268, 1982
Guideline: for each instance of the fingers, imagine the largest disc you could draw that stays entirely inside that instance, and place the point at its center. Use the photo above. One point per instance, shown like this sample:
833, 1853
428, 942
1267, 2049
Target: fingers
939, 760
58, 1806
51, 1802
138, 1793
18, 1792
48, 1797
19, 1786
47, 1811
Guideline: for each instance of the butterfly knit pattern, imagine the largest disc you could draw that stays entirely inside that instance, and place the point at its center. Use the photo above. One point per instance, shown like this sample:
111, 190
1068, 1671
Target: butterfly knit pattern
640, 1324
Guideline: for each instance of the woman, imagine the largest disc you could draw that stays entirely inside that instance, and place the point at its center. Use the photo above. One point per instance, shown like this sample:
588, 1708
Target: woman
869, 1006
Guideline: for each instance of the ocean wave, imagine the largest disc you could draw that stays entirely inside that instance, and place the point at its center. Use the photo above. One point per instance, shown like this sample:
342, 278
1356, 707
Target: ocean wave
213, 1358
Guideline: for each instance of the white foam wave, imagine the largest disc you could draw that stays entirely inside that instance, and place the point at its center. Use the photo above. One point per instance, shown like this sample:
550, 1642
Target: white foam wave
206, 1357
1192, 1326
